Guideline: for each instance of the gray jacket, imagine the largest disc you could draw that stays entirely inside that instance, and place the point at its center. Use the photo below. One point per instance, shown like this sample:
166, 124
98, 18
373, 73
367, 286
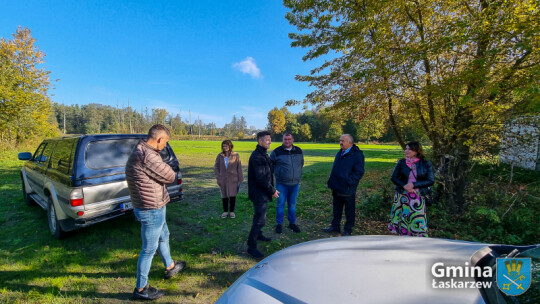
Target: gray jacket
288, 165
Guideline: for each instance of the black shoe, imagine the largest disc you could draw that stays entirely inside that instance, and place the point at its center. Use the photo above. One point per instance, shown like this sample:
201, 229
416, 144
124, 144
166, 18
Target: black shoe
263, 238
148, 293
346, 233
178, 266
278, 228
294, 228
255, 253
332, 229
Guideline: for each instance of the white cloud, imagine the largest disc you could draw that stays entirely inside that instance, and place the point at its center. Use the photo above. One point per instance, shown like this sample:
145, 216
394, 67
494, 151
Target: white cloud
248, 66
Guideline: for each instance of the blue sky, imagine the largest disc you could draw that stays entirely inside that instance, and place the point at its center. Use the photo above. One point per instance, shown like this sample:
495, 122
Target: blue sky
213, 58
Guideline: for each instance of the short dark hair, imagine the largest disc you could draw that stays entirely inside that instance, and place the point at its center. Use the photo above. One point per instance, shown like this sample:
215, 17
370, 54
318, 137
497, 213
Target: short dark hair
287, 133
417, 147
262, 134
155, 131
227, 142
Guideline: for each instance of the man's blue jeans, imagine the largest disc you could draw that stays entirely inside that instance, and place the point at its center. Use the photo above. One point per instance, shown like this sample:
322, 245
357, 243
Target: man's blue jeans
289, 194
155, 236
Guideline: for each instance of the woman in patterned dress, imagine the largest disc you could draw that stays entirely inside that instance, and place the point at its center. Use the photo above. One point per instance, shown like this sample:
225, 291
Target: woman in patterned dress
413, 177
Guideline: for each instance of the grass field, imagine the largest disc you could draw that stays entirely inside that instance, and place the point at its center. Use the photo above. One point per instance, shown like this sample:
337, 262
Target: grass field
98, 264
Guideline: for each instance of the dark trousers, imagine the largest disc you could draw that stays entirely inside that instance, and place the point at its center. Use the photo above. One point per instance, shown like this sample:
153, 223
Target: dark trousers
226, 201
340, 201
259, 219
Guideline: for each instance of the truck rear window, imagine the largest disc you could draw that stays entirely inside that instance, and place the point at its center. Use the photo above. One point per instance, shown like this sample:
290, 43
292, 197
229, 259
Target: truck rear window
112, 153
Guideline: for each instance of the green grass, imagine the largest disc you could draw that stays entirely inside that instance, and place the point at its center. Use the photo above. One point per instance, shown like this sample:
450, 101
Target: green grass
98, 264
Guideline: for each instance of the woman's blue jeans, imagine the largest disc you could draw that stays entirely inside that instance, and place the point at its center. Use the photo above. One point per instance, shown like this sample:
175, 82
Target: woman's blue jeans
155, 236
289, 194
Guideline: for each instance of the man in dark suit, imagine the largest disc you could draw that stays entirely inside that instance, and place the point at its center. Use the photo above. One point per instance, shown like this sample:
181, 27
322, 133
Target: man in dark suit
347, 171
260, 190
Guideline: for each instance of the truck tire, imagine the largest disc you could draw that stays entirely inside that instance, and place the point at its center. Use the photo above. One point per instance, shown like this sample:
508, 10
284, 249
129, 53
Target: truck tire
54, 225
26, 198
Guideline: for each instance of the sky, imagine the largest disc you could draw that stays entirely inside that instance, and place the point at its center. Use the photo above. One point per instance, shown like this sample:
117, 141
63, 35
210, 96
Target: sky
214, 59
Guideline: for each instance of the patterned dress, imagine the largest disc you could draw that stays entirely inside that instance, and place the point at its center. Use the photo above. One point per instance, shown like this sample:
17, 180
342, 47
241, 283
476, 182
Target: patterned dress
408, 215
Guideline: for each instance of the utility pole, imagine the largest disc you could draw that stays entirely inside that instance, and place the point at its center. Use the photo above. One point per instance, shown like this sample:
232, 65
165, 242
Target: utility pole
129, 109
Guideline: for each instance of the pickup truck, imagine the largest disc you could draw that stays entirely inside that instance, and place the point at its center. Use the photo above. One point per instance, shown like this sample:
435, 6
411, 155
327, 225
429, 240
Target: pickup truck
80, 180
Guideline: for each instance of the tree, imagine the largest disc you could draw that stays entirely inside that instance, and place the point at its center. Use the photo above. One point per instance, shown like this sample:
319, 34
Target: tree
159, 116
304, 133
335, 132
276, 121
454, 68
25, 107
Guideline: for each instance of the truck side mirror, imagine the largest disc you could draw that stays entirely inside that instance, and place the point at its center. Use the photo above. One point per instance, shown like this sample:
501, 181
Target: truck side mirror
25, 156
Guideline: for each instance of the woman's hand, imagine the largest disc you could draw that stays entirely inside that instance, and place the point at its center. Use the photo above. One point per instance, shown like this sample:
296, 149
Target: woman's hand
409, 187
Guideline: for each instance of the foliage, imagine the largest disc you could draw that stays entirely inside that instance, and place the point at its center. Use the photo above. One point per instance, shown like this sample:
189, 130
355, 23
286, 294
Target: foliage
235, 127
25, 107
87, 267
454, 68
97, 118
335, 132
304, 134
276, 121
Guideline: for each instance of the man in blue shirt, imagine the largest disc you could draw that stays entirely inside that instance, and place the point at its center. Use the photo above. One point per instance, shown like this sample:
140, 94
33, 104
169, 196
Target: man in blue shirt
346, 173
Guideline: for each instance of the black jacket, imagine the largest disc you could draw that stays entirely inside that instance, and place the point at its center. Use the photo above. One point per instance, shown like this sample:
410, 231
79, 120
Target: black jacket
424, 175
260, 176
347, 171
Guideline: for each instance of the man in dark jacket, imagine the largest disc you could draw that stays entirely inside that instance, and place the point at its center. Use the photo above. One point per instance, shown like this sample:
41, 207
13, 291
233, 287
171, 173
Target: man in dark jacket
288, 162
260, 190
346, 173
147, 177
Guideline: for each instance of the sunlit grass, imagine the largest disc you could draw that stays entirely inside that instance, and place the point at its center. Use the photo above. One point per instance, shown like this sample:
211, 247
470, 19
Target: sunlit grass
98, 263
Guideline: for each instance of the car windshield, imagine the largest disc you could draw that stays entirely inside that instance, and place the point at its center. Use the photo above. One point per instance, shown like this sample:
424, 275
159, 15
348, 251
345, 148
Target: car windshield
104, 154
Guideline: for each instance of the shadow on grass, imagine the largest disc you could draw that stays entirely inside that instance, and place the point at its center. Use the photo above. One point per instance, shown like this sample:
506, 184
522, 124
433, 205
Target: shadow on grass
99, 260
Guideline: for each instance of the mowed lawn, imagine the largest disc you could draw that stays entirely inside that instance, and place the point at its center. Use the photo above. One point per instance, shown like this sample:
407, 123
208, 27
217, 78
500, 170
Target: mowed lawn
98, 264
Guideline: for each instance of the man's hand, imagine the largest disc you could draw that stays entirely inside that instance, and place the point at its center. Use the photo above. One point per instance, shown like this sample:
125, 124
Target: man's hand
409, 187
276, 194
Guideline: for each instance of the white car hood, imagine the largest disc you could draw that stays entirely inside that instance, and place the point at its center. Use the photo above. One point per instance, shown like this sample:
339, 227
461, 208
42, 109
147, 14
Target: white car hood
357, 269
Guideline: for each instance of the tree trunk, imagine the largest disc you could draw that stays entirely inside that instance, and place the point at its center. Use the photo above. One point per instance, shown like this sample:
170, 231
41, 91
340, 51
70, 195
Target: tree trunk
393, 123
452, 176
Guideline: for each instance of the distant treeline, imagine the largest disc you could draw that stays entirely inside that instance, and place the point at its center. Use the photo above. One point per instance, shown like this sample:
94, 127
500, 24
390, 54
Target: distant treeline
96, 118
310, 125
327, 125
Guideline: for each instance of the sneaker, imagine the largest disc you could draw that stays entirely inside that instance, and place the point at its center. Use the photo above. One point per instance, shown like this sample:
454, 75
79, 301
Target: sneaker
148, 293
255, 253
347, 233
232, 215
263, 238
278, 228
178, 266
294, 228
224, 214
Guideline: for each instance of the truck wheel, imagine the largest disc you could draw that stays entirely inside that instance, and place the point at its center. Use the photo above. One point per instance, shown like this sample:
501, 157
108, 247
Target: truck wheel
54, 225
26, 198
